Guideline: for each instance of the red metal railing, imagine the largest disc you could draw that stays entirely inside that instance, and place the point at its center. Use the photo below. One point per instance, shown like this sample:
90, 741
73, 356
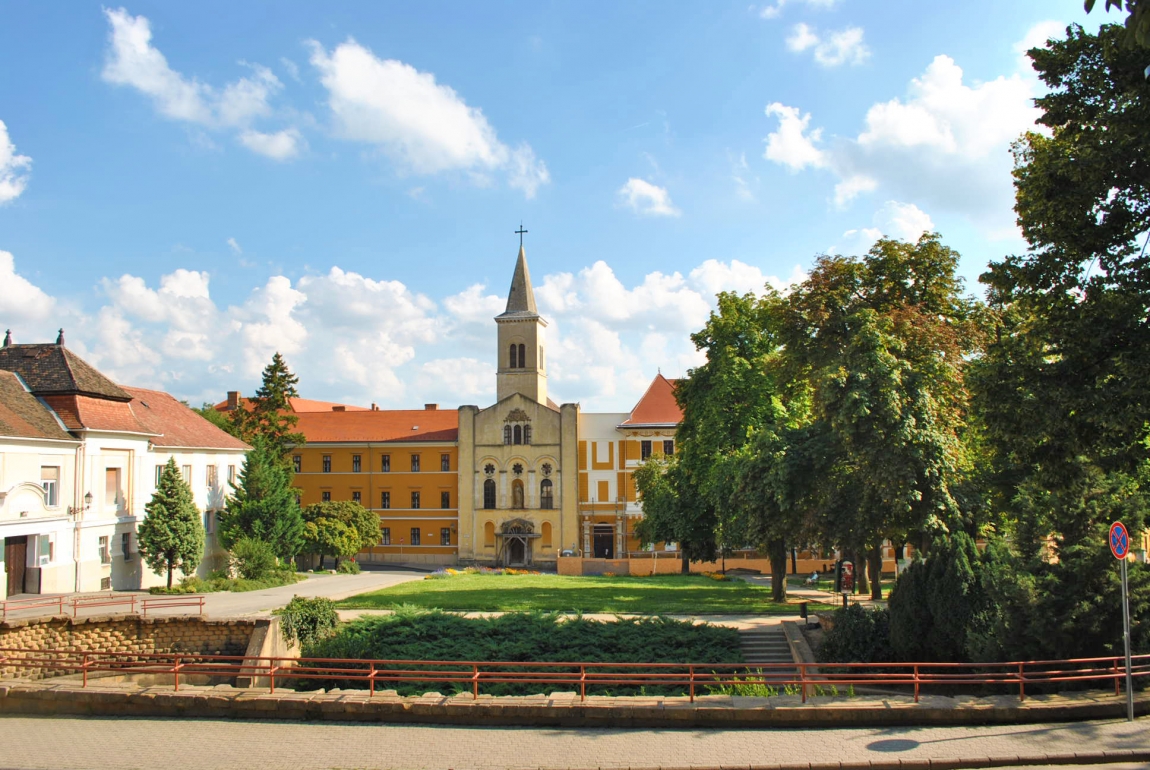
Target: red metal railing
129, 603
803, 678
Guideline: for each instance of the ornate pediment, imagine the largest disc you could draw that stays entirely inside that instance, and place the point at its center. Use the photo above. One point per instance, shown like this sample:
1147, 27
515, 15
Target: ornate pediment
517, 415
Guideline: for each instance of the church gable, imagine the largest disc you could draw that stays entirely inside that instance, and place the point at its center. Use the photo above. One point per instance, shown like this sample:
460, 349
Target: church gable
517, 420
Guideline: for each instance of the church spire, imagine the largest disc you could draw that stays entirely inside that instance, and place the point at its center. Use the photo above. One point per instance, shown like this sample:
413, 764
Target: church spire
521, 297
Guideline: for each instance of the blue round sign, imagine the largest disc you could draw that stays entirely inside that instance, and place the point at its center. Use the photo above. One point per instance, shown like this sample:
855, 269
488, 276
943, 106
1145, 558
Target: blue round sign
1119, 540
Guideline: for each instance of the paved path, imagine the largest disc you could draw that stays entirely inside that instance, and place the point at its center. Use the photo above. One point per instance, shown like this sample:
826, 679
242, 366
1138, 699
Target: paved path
100, 743
225, 604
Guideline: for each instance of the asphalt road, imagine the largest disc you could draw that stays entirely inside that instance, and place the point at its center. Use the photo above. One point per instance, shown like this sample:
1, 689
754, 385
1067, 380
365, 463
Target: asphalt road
226, 604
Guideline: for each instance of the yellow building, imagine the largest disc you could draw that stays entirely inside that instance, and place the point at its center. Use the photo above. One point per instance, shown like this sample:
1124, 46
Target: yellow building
515, 483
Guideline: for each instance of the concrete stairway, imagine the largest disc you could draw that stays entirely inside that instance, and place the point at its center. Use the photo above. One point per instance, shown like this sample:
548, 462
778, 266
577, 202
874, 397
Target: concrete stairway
766, 645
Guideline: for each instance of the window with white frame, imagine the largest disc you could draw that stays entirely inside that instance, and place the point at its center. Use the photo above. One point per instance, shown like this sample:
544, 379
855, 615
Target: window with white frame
231, 474
213, 476
105, 550
186, 471
46, 550
50, 480
159, 475
113, 490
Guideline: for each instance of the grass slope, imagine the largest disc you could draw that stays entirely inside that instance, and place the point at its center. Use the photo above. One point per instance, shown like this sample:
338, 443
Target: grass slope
657, 595
414, 634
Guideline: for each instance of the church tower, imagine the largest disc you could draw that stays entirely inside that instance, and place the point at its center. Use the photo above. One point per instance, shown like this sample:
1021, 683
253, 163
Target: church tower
522, 360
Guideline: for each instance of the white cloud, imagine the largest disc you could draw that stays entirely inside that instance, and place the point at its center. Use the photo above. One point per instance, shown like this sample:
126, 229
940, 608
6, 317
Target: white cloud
20, 299
642, 197
773, 11
133, 61
744, 182
353, 338
792, 145
424, 126
235, 246
282, 145
944, 144
13, 168
903, 221
844, 46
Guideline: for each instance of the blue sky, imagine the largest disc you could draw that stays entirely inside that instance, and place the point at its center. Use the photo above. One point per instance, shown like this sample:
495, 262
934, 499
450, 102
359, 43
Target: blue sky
188, 187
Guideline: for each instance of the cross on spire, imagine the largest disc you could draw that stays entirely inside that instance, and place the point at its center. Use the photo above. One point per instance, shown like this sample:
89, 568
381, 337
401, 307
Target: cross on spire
520, 233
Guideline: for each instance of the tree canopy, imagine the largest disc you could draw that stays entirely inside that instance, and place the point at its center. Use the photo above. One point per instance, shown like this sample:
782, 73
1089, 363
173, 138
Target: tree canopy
340, 528
270, 417
263, 504
171, 536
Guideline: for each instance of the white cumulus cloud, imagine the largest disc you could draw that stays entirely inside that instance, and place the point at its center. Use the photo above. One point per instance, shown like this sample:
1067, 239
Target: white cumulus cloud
642, 197
132, 60
903, 221
844, 46
945, 144
775, 10
13, 168
423, 125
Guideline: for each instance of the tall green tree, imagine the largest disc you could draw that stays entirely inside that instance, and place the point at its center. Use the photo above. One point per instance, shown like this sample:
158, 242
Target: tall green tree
673, 511
882, 343
1060, 394
171, 535
263, 504
1137, 19
340, 528
270, 418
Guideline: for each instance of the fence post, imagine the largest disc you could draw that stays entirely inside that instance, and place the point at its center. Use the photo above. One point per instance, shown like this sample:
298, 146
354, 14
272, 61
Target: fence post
132, 610
1021, 682
371, 681
691, 673
803, 679
916, 683
1117, 690
475, 681
582, 683
85, 664
176, 672
272, 668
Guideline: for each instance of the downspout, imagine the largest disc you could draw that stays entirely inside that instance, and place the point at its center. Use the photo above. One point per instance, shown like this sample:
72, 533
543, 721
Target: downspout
78, 513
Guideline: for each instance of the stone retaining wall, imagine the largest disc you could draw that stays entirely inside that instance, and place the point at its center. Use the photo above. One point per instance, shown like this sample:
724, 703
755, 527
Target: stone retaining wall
123, 634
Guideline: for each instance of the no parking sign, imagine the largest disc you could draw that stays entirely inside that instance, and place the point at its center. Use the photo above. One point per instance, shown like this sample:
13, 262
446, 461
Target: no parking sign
1120, 546
1119, 540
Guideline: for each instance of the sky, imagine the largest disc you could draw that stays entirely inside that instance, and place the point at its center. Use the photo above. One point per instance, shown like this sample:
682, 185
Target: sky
188, 188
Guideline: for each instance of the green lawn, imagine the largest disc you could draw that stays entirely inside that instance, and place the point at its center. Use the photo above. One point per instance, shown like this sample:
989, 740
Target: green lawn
657, 595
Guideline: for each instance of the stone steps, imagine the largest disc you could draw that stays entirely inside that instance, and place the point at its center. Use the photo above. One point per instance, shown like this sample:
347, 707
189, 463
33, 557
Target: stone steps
765, 646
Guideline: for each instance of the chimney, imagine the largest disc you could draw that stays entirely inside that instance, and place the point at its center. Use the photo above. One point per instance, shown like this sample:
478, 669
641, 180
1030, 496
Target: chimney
374, 408
430, 407
339, 408
233, 399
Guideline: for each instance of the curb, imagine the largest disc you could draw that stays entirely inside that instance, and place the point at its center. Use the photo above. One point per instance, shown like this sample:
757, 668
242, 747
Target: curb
559, 710
1014, 760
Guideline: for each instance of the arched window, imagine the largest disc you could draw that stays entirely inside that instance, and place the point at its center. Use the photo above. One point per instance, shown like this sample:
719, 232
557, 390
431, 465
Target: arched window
489, 534
517, 494
546, 494
514, 356
489, 494
522, 356
546, 535
506, 434
518, 435
526, 434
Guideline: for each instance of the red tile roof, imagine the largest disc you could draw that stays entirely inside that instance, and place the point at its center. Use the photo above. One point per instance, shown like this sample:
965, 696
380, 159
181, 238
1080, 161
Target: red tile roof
658, 405
22, 416
302, 406
380, 425
176, 424
87, 413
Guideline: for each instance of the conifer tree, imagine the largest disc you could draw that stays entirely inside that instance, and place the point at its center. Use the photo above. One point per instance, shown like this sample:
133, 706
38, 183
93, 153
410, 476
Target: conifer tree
171, 534
263, 504
271, 418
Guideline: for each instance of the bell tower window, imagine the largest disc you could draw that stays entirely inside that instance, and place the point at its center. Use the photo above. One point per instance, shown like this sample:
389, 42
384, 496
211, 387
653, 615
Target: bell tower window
514, 356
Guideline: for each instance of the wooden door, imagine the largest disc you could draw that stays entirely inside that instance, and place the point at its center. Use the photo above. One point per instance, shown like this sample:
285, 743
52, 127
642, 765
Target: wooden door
15, 560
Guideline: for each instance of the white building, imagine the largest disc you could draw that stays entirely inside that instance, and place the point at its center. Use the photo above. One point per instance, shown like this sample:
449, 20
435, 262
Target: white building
81, 536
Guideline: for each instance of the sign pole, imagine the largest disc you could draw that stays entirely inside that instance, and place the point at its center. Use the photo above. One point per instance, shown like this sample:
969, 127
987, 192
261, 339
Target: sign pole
1126, 638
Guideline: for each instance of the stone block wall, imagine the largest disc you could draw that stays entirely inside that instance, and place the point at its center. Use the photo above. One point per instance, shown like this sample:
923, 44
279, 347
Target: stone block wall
122, 634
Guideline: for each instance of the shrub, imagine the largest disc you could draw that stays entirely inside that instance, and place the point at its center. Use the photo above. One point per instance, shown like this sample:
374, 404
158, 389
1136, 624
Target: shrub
308, 621
348, 567
254, 559
859, 635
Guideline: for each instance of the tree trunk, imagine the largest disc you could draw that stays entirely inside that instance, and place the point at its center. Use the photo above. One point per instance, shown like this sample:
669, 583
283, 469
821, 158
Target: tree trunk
169, 576
777, 552
686, 568
794, 561
875, 566
859, 559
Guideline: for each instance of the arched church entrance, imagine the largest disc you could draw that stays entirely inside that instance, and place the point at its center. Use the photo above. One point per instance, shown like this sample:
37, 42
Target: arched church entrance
515, 543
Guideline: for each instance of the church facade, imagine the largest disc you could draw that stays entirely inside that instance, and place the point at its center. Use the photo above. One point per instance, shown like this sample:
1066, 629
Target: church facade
515, 483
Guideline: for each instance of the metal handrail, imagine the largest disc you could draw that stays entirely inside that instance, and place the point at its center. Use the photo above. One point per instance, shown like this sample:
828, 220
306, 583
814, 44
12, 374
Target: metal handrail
129, 603
803, 676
